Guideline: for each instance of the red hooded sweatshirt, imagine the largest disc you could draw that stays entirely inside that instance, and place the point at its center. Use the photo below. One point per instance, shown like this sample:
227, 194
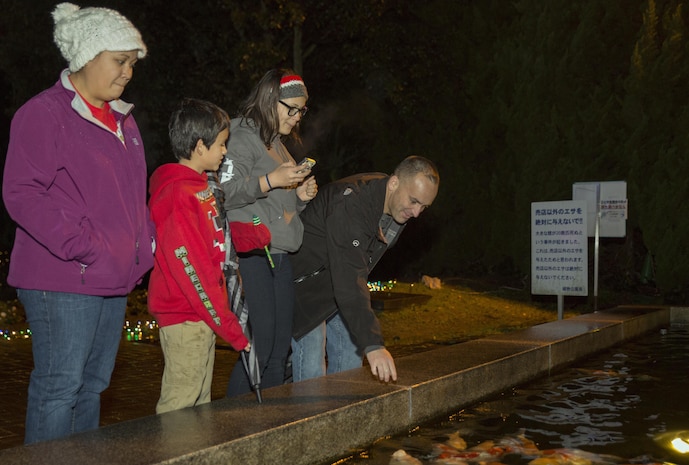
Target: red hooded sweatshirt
187, 282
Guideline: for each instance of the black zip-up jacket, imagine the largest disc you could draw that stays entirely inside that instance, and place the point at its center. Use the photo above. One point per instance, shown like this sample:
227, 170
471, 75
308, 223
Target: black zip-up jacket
342, 243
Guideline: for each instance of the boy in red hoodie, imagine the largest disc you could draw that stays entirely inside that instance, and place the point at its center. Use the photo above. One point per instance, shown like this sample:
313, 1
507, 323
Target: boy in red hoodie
187, 292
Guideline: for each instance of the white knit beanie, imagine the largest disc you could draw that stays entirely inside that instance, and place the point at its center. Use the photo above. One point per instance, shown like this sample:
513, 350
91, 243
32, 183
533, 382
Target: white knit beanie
82, 33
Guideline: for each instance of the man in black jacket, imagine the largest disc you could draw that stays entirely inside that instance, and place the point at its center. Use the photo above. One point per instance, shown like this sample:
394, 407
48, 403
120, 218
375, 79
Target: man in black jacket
347, 229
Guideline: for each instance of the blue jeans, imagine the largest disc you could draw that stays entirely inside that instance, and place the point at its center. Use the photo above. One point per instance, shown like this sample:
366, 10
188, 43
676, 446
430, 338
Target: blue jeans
75, 339
269, 293
330, 338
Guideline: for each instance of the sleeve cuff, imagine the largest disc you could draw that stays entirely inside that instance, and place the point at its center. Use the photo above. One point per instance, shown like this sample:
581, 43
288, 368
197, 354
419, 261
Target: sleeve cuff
372, 348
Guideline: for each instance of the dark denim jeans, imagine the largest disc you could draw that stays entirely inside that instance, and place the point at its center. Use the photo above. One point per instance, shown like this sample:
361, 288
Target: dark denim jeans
74, 340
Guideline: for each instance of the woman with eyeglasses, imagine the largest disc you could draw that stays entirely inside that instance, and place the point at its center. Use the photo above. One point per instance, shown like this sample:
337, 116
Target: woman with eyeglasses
263, 184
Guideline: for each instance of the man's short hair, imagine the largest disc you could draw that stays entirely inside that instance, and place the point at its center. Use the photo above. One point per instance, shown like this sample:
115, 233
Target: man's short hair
413, 165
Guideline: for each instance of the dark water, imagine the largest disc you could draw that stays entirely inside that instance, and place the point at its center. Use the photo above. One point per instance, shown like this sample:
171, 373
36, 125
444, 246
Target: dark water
619, 403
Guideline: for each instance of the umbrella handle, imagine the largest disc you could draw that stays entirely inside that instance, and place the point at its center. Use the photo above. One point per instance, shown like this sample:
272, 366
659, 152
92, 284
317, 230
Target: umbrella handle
257, 389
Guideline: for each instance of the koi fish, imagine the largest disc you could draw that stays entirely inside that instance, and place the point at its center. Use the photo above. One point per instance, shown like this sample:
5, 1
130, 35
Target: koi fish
456, 441
574, 457
400, 457
519, 444
615, 374
450, 461
484, 452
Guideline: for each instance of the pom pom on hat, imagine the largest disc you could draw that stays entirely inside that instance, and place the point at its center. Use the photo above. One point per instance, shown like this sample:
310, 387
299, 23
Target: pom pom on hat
293, 86
82, 33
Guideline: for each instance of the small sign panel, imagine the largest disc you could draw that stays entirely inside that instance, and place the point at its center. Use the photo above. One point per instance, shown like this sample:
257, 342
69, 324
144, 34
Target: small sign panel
559, 248
613, 206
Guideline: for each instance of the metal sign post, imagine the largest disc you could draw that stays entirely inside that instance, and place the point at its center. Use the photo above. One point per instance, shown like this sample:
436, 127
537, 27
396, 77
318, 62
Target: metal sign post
607, 214
596, 249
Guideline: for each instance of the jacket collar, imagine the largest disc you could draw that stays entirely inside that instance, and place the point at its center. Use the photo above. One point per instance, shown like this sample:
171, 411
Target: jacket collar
119, 106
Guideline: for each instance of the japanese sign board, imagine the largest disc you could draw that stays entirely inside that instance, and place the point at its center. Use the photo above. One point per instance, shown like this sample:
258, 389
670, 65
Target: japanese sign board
613, 206
559, 248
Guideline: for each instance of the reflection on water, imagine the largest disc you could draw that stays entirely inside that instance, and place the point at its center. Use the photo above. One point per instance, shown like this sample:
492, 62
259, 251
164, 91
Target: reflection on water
621, 406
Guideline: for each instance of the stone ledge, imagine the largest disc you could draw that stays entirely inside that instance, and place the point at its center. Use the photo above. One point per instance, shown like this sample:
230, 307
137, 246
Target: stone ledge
322, 419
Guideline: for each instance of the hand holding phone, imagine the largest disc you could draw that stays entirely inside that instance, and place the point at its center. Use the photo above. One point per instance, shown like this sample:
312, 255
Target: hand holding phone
307, 163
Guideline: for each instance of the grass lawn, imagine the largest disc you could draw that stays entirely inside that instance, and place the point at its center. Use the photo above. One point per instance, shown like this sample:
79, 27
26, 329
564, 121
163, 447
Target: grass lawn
460, 310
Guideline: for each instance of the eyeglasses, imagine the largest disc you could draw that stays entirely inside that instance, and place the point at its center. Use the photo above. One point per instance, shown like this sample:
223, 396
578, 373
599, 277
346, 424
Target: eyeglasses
292, 111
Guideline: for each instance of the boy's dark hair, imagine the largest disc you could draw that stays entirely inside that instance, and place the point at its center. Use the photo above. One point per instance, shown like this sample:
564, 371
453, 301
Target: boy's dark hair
195, 119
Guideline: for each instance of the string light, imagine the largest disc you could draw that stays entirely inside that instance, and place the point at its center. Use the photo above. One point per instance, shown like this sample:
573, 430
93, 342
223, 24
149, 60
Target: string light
13, 334
379, 286
147, 330
141, 330
131, 331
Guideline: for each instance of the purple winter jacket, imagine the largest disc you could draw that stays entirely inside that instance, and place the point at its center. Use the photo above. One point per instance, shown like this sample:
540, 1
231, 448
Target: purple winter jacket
78, 196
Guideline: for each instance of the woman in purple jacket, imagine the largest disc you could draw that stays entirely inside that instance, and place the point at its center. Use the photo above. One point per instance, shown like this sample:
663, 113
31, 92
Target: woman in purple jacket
75, 184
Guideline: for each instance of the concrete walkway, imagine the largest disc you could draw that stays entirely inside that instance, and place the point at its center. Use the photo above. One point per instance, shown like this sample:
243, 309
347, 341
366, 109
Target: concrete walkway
132, 394
318, 421
133, 391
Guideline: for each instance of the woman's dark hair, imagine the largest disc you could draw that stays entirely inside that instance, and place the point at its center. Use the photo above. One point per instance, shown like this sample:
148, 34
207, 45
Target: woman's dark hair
193, 120
261, 106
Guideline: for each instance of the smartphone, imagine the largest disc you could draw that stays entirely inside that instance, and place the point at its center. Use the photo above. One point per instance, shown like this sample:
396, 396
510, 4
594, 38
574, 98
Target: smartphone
307, 163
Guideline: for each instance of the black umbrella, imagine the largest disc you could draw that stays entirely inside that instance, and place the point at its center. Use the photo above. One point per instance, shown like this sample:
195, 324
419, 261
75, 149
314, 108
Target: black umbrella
239, 307
235, 293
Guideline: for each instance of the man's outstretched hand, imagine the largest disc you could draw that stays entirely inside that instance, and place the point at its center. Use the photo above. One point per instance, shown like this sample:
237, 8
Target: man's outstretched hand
382, 365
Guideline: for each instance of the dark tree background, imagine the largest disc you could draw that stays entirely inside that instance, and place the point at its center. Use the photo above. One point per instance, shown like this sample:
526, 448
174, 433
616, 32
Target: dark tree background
514, 100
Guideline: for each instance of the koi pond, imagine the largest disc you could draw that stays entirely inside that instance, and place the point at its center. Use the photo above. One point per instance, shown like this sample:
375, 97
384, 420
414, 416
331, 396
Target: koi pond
626, 405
